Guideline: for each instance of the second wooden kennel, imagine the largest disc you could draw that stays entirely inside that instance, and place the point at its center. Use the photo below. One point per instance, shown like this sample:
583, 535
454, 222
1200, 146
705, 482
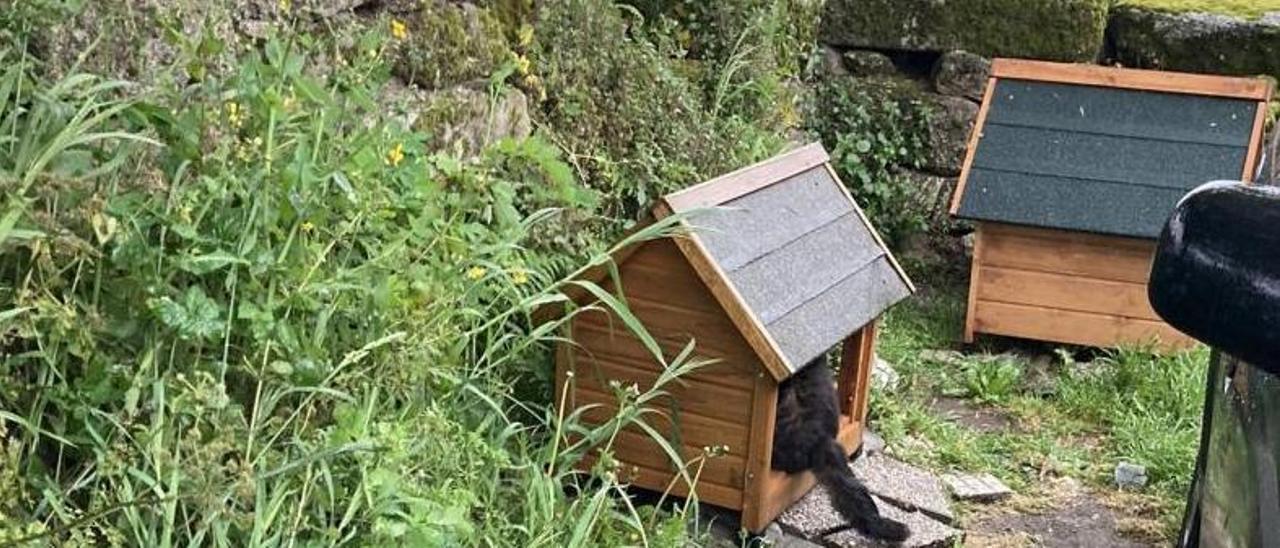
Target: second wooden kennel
786, 270
1070, 175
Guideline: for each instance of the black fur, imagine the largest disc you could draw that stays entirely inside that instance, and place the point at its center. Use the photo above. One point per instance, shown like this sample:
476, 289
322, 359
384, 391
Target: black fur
804, 438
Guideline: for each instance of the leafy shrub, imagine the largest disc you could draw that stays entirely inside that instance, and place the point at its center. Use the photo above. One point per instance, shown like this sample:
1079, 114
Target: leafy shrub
750, 50
634, 126
871, 127
290, 321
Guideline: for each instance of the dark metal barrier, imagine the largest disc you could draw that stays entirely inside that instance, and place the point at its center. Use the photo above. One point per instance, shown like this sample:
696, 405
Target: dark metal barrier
1216, 277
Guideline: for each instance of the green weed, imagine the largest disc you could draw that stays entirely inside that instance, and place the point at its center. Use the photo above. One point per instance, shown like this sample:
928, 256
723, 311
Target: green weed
255, 311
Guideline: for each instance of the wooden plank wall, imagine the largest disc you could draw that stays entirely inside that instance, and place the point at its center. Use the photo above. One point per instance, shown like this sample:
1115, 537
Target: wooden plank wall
710, 407
1064, 287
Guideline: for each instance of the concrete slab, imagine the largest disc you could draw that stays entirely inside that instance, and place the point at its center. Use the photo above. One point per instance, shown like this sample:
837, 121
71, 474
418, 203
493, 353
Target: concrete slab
814, 518
904, 485
925, 532
976, 487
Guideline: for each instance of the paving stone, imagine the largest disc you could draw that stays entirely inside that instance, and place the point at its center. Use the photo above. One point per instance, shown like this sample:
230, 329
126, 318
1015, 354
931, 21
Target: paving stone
976, 487
905, 485
814, 518
925, 532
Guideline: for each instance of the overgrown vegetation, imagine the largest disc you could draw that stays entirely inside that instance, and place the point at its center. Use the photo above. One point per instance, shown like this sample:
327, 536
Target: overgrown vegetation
245, 304
1078, 417
870, 127
250, 307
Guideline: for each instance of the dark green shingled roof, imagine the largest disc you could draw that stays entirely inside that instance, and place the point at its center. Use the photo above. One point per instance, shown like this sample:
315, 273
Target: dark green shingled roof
1094, 159
804, 261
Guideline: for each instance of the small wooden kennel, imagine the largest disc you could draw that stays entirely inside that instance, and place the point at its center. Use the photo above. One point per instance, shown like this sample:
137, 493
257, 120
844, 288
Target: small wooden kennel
1070, 175
787, 270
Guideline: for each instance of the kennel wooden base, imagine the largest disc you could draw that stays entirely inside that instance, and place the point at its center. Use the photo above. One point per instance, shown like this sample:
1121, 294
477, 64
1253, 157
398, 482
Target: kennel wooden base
1066, 287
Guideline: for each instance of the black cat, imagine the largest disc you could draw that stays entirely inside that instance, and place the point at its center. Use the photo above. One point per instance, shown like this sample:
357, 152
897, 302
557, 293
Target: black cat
805, 439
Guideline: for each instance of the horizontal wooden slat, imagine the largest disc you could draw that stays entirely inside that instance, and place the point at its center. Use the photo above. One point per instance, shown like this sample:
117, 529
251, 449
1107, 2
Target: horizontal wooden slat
1044, 250
603, 347
660, 481
639, 449
694, 430
695, 399
671, 343
1066, 292
659, 273
1066, 326
1170, 82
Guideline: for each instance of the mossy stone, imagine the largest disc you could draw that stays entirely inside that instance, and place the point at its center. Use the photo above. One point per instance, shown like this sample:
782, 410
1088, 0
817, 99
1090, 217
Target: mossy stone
1195, 42
1062, 30
450, 44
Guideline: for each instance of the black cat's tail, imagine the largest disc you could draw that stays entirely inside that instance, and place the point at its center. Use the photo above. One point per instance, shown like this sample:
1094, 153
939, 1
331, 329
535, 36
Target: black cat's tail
851, 498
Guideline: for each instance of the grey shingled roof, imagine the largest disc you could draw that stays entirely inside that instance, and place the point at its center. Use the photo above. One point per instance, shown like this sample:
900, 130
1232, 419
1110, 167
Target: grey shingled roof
1102, 160
804, 262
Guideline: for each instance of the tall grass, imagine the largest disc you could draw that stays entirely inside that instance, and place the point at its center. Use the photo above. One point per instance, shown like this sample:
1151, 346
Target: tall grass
255, 312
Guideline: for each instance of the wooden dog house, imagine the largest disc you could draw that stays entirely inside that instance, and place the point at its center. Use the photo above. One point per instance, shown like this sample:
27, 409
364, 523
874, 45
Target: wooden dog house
1070, 174
787, 270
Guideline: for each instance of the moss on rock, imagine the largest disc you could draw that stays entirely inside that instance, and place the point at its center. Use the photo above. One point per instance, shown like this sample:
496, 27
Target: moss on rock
1062, 30
1195, 42
449, 44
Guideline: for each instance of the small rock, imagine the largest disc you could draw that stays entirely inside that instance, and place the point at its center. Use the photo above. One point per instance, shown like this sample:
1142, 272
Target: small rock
832, 62
868, 63
943, 357
883, 376
961, 74
948, 136
872, 443
931, 195
967, 242
976, 487
1131, 476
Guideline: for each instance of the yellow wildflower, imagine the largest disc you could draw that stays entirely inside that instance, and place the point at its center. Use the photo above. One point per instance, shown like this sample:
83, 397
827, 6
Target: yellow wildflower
285, 5
522, 65
398, 29
525, 35
307, 226
396, 155
235, 115
476, 272
519, 277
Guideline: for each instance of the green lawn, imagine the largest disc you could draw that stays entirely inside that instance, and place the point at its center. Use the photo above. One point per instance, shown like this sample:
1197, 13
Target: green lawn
1083, 412
1244, 8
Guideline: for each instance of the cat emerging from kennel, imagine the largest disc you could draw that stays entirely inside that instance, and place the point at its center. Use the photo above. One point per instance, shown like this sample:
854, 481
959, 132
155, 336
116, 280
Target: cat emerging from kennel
804, 438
